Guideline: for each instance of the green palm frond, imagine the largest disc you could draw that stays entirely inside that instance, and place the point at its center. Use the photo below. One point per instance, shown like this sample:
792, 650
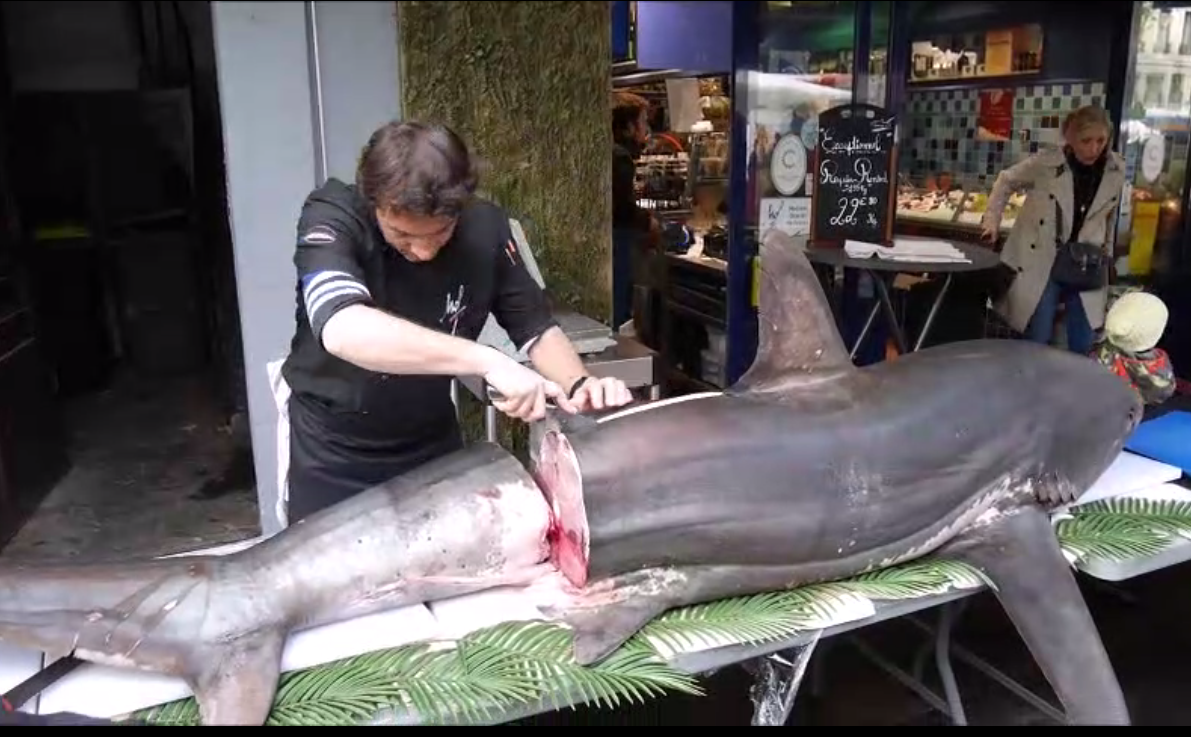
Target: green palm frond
917, 579
542, 654
1110, 538
480, 677
182, 713
1165, 515
1123, 528
746, 619
774, 616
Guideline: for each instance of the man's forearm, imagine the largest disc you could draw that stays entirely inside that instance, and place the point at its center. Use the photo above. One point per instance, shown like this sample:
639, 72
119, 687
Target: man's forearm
377, 341
555, 358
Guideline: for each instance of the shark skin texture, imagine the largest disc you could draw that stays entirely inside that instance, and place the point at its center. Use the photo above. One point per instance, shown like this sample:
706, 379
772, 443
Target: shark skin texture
810, 469
807, 469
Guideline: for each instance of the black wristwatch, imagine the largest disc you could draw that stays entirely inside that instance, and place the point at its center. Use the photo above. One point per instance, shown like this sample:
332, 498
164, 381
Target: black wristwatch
575, 387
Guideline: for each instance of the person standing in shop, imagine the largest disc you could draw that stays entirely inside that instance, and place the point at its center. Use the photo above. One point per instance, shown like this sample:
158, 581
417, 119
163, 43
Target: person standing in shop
396, 277
634, 228
1074, 199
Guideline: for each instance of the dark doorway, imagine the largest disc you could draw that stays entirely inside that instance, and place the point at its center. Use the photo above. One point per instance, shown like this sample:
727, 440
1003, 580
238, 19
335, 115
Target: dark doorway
117, 233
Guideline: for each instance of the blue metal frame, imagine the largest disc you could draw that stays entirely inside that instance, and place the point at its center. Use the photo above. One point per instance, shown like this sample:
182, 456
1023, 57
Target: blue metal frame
742, 315
862, 23
742, 250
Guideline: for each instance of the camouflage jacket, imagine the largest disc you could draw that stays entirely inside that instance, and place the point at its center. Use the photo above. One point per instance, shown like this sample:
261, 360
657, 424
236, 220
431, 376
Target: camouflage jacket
1149, 372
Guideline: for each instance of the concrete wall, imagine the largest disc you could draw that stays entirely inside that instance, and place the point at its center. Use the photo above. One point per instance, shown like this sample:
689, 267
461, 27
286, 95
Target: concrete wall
301, 86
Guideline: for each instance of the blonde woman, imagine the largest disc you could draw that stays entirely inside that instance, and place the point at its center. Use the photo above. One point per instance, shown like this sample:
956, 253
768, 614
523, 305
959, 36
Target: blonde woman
1074, 196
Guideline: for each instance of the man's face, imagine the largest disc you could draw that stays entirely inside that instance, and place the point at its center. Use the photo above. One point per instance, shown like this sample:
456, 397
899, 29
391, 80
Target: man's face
641, 130
415, 237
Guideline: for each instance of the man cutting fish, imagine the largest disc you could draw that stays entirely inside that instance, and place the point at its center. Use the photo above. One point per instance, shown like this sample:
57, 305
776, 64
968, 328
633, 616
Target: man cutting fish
397, 274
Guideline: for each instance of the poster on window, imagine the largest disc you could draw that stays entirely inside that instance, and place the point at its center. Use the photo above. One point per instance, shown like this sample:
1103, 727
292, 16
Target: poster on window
995, 119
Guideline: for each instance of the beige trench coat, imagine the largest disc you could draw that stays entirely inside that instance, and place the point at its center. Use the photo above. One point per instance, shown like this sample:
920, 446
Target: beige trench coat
1030, 248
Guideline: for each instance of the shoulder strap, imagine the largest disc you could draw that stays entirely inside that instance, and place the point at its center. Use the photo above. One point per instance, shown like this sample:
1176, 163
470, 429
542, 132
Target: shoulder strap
1058, 223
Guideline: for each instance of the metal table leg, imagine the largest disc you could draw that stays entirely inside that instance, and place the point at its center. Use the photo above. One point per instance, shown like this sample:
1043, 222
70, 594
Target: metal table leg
776, 680
886, 303
934, 311
864, 331
943, 661
955, 704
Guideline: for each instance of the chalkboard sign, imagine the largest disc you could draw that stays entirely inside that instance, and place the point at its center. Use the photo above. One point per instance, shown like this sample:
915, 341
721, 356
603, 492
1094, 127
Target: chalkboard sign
855, 175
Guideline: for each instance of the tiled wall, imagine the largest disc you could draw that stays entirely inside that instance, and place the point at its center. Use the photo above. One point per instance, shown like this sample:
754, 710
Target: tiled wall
939, 128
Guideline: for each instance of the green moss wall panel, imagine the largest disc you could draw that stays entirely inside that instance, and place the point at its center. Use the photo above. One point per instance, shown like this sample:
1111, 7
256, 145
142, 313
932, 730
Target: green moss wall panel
527, 84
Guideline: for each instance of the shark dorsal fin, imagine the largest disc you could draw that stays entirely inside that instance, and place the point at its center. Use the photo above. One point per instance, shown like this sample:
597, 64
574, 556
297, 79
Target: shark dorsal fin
797, 337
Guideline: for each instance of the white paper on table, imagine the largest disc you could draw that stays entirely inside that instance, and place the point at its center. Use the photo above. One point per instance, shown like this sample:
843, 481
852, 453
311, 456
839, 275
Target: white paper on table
904, 249
17, 664
1128, 474
462, 615
107, 691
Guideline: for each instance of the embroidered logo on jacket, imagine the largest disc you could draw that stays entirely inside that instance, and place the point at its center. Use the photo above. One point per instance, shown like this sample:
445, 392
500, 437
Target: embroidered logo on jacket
453, 310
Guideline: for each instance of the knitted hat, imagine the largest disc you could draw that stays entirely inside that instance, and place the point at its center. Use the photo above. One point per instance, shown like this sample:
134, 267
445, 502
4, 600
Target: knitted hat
1136, 321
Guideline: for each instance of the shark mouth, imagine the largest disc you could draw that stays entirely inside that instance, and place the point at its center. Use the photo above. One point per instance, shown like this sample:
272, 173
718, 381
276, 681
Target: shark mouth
558, 475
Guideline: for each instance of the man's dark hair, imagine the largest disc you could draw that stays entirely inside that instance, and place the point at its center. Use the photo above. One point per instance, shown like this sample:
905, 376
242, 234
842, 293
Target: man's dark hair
626, 108
416, 168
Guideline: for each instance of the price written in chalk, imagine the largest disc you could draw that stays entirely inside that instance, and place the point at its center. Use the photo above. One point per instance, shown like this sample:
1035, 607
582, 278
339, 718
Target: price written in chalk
847, 213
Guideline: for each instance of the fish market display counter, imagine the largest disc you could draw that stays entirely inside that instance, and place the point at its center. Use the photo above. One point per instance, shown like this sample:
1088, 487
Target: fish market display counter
693, 329
956, 213
406, 666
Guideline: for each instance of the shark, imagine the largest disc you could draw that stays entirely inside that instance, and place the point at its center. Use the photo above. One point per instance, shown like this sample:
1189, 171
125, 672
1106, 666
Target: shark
807, 469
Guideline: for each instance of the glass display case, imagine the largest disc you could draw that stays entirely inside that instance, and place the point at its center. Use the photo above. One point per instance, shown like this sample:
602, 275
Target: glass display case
939, 202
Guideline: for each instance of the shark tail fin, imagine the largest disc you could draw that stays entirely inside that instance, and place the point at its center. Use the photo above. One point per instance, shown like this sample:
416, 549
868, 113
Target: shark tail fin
796, 329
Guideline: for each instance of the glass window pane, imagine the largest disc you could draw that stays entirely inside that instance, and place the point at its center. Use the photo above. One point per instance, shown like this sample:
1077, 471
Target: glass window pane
1154, 141
805, 66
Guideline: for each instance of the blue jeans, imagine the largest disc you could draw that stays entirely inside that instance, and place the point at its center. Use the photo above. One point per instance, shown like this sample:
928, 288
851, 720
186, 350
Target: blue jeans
1080, 337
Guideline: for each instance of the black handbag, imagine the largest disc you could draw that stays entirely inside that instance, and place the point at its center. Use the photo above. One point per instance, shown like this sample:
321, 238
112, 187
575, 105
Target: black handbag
1077, 265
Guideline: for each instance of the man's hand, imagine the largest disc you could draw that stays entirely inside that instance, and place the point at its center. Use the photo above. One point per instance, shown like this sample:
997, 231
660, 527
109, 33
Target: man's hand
523, 391
597, 394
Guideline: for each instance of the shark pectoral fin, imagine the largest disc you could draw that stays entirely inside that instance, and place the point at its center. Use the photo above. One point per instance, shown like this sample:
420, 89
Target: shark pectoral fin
615, 610
1020, 554
235, 682
599, 632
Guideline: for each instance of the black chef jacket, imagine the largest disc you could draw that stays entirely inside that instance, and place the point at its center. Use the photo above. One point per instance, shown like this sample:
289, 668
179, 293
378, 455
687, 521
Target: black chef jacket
351, 428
